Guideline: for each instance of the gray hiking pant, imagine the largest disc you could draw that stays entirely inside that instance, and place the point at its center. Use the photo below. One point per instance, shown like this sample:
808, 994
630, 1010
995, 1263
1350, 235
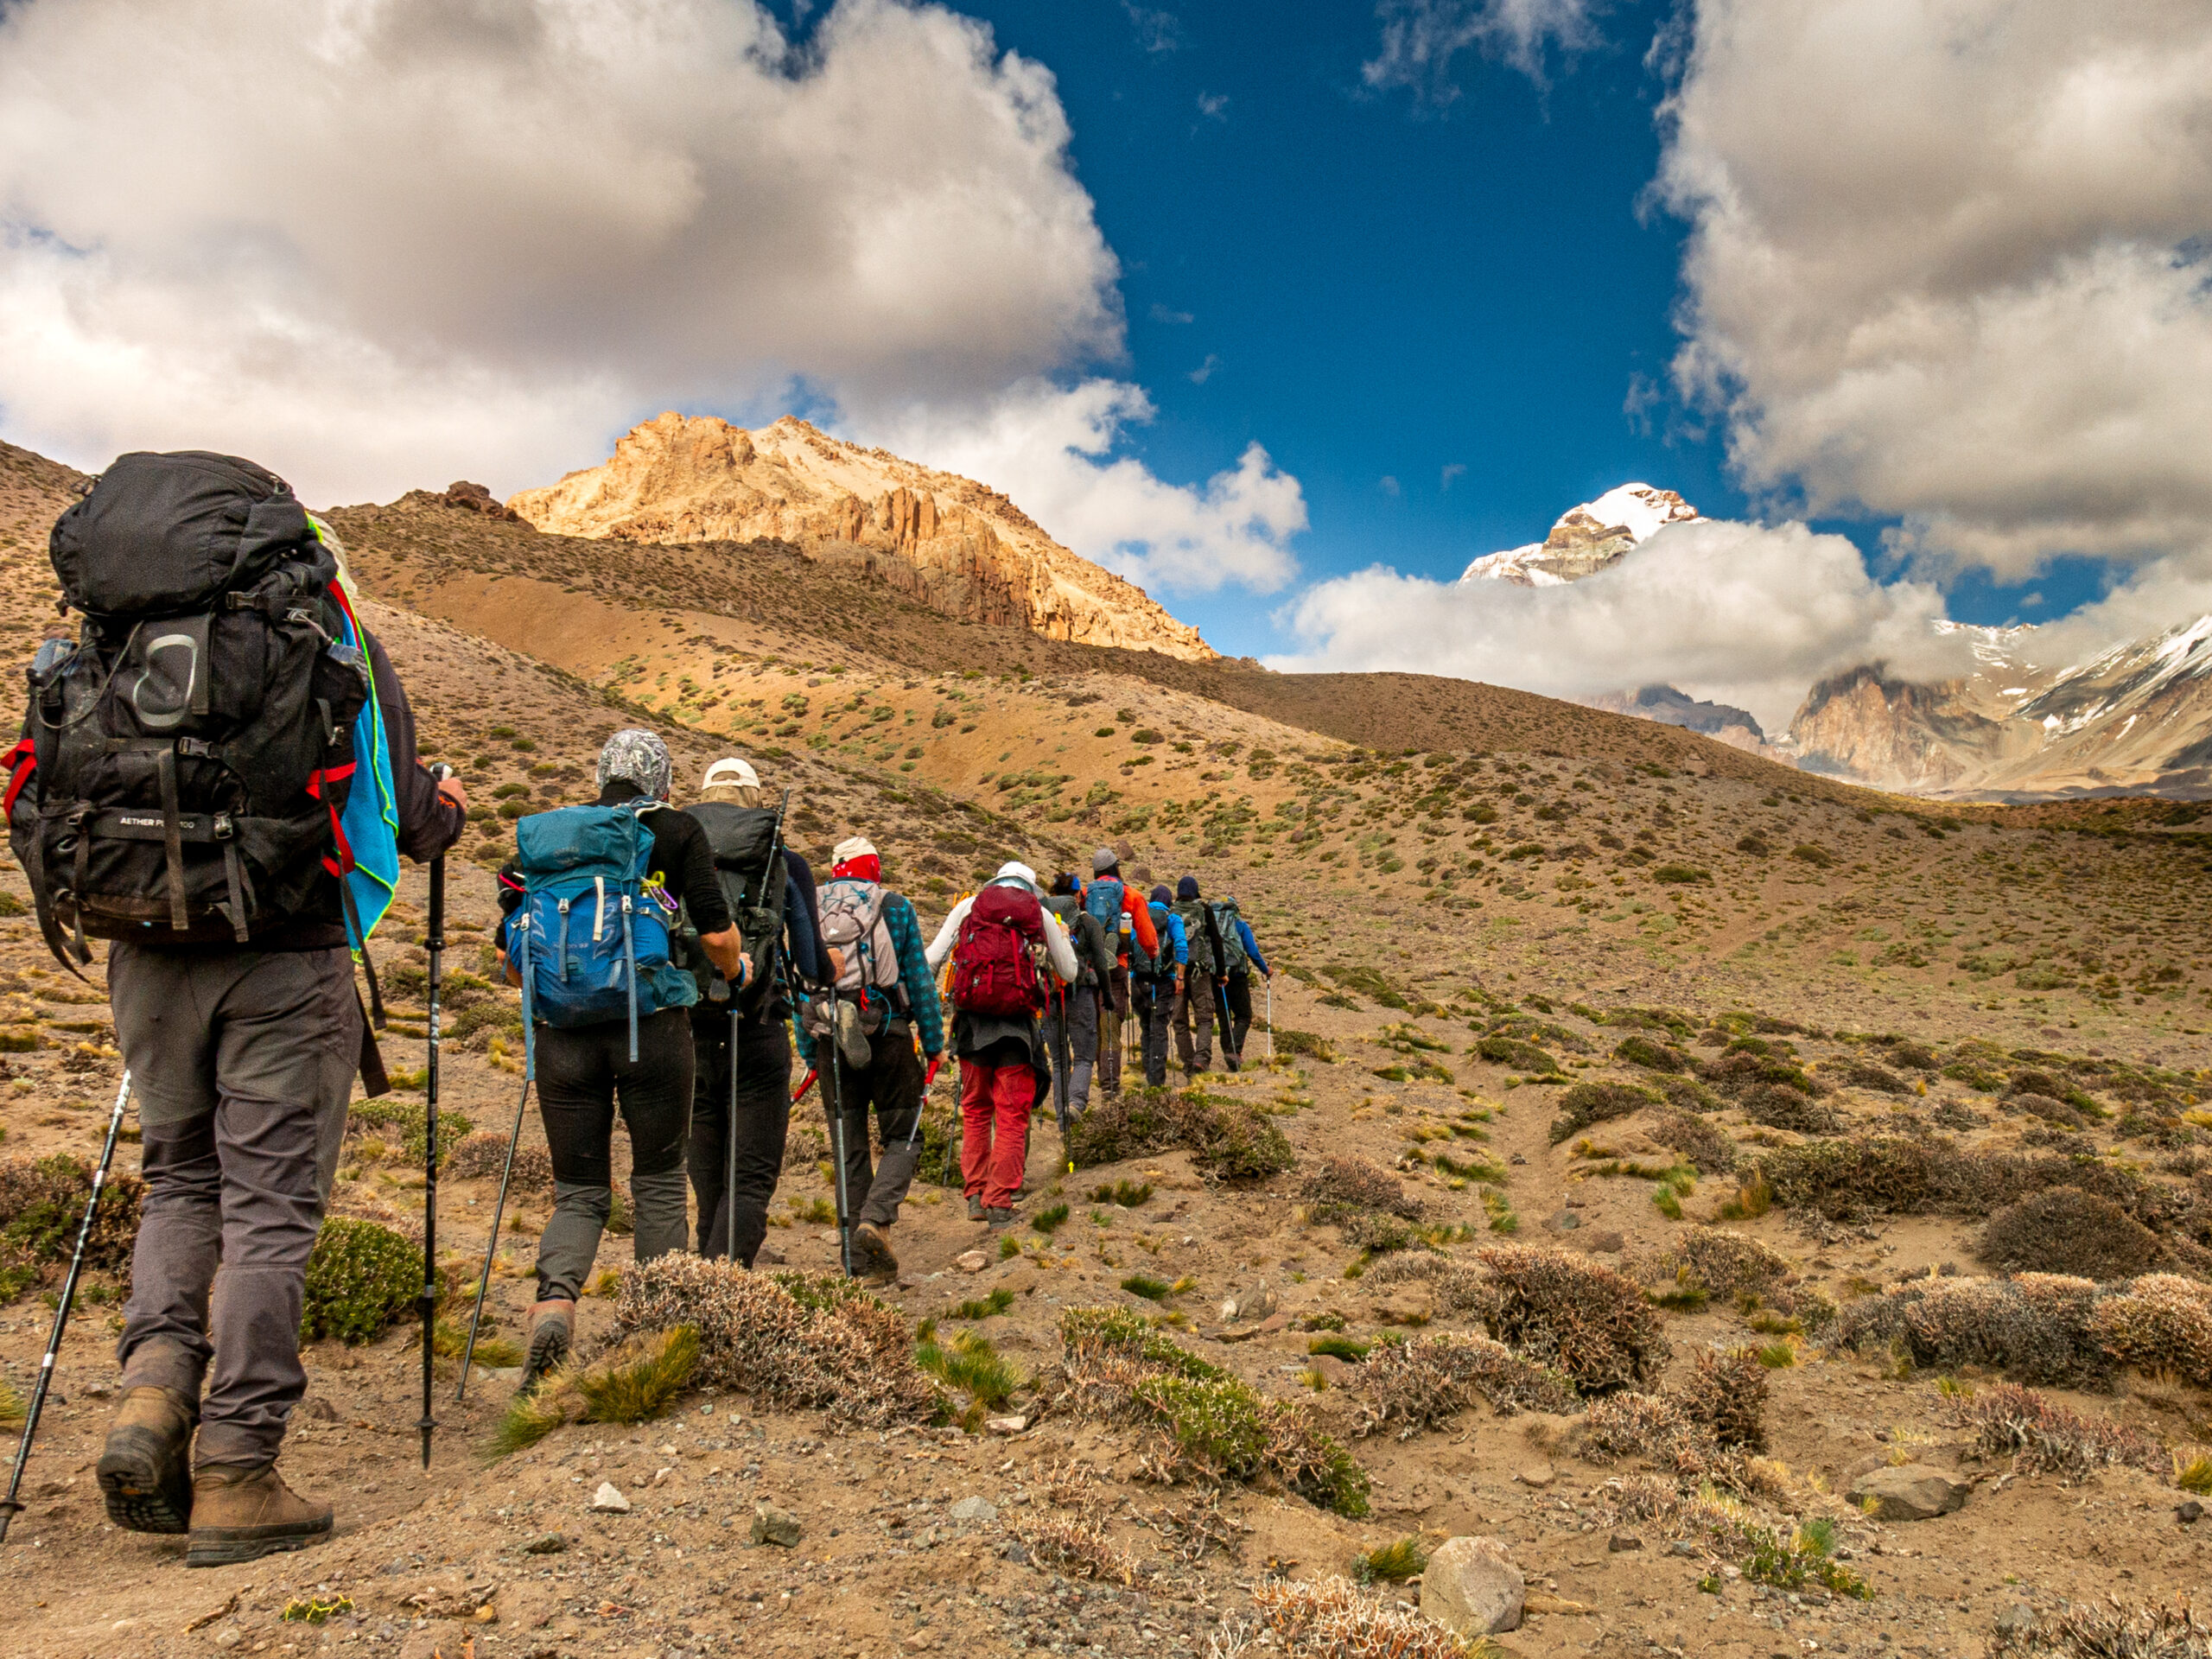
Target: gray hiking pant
1194, 1022
243, 1063
1151, 1002
580, 1075
1082, 1051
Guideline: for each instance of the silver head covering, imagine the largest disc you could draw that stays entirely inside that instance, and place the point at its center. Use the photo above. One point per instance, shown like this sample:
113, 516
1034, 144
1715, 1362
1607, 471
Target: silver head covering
637, 758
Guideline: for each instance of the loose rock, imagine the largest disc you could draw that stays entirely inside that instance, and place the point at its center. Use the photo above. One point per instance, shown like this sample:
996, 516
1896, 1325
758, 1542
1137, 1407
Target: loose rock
609, 1500
971, 1262
773, 1526
1911, 1491
1470, 1586
974, 1510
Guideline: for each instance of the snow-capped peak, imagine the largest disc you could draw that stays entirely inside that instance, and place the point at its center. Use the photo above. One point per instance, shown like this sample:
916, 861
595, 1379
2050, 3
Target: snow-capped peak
1585, 539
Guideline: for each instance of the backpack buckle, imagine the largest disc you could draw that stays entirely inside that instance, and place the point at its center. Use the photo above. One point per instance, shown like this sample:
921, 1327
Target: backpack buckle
223, 828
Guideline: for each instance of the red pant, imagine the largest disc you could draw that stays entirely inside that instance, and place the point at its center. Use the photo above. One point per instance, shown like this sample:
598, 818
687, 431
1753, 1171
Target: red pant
994, 1104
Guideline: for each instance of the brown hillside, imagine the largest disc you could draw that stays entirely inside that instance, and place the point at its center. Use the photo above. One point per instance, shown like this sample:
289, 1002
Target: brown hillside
1782, 1053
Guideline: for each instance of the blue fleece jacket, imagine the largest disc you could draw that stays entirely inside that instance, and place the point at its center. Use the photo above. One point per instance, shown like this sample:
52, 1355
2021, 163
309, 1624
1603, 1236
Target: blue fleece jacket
1251, 946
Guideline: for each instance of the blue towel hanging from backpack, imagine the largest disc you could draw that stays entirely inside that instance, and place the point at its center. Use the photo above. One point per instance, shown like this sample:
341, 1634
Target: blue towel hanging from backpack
591, 944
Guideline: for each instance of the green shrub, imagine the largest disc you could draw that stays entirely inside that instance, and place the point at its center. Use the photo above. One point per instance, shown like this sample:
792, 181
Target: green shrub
1651, 1056
1680, 874
1391, 1563
42, 1206
970, 1363
1144, 1285
1094, 1332
1596, 1102
1130, 1195
360, 1278
1306, 1043
410, 1120
1226, 1138
1522, 1057
1780, 1107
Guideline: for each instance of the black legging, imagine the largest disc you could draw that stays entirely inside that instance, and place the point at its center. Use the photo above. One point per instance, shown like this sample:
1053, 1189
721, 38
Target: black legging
763, 1116
1240, 1008
580, 1073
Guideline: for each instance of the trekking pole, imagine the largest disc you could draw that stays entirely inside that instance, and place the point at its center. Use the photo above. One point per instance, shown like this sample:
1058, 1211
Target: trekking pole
492, 1244
11, 1505
428, 1300
1063, 1062
833, 1102
729, 1142
1271, 1018
1229, 1054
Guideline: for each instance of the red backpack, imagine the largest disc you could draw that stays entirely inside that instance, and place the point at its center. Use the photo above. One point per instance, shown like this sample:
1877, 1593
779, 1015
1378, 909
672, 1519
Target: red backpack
994, 963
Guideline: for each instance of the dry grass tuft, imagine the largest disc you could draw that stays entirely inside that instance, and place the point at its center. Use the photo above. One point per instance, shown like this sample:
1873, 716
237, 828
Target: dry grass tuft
1456, 1286
481, 1155
1565, 1310
792, 1340
1417, 1383
1227, 1140
1334, 1619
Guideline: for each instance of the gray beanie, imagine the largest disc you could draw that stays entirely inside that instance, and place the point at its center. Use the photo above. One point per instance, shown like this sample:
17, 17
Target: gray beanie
638, 758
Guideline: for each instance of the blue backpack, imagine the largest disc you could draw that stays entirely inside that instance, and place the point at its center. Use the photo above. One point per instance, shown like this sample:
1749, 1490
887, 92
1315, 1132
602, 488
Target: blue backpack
1102, 898
590, 942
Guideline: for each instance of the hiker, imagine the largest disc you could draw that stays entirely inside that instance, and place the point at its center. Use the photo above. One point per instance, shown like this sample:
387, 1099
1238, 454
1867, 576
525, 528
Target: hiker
785, 934
634, 1047
268, 734
1152, 976
1074, 1016
1195, 1011
1244, 953
1128, 921
994, 939
883, 999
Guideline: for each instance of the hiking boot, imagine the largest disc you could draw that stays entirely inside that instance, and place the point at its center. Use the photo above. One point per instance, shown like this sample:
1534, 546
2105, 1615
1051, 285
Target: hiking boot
552, 1329
998, 1217
145, 1471
872, 1257
975, 1206
242, 1512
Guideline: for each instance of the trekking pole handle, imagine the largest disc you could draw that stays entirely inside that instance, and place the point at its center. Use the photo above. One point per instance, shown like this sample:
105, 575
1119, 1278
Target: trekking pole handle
806, 1083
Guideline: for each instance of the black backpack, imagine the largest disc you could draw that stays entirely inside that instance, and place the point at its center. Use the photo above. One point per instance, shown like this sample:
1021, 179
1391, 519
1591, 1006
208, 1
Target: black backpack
1086, 935
184, 764
748, 849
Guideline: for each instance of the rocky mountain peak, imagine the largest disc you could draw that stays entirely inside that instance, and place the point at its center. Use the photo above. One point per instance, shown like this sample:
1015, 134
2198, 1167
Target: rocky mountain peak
1585, 539
957, 545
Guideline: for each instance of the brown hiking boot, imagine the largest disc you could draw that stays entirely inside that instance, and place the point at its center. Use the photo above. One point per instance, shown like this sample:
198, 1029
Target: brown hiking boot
873, 1261
552, 1327
145, 1470
240, 1513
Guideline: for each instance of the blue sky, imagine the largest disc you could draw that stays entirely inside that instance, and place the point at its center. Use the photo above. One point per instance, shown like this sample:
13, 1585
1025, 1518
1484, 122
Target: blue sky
1377, 288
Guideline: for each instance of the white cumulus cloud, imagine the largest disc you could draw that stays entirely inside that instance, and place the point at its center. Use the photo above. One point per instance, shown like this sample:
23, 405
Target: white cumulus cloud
1742, 613
1050, 449
1949, 263
379, 244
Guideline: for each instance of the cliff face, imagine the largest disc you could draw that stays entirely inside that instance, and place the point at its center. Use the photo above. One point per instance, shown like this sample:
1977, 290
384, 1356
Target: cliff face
947, 541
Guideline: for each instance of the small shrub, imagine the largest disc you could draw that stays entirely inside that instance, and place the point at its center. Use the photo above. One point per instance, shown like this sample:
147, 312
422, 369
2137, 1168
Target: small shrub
1864, 1074
1334, 1619
2066, 1230
1680, 874
482, 1155
2035, 1327
1144, 1285
1417, 1383
1726, 1395
1808, 853
1522, 1057
1340, 1186
2161, 1322
42, 1206
1709, 1148
2090, 1630
360, 1278
1779, 1107
1049, 1220
1130, 1195
792, 1340
1652, 1056
1589, 1321
996, 1303
1228, 1140
2009, 1420
1078, 1547
1344, 1348
1597, 1103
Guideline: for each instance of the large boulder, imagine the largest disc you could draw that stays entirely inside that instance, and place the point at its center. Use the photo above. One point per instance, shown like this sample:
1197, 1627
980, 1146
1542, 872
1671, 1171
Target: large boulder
1472, 1587
1909, 1491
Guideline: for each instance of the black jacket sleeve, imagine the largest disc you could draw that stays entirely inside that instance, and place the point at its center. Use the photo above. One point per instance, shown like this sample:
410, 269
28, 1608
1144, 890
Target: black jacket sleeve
429, 824
803, 918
